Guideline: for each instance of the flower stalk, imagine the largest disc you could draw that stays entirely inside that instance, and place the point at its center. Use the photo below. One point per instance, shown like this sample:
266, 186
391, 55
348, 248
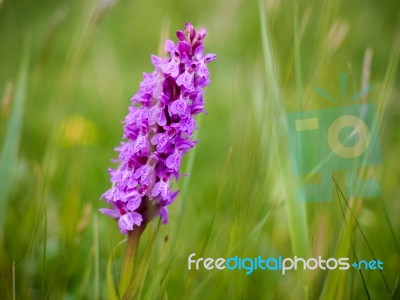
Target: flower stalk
158, 131
128, 264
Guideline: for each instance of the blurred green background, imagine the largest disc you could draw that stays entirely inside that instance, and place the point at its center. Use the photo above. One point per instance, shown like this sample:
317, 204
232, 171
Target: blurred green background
67, 72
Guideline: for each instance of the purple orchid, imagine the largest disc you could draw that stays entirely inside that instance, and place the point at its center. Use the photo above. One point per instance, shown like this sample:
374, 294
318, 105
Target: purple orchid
158, 132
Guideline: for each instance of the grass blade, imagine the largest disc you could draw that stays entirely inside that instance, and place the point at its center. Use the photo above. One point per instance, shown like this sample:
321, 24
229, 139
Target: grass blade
295, 209
9, 151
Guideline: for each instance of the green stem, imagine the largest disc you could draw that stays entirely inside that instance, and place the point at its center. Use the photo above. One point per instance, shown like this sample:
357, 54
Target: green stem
129, 258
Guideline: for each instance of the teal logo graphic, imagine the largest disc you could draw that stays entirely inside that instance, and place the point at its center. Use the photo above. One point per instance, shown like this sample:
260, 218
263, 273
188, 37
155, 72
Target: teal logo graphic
343, 138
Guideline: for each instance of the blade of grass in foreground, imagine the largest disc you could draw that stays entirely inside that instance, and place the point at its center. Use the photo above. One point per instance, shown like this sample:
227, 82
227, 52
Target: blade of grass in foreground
9, 152
96, 281
295, 209
367, 243
332, 287
110, 274
278, 149
385, 95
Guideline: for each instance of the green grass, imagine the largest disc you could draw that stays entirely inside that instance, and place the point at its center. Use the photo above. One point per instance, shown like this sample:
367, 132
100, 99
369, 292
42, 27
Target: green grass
73, 68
